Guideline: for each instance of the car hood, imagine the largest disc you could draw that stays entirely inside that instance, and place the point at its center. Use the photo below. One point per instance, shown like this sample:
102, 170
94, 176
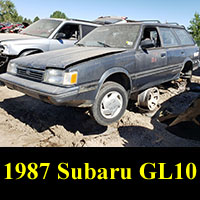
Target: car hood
14, 36
66, 57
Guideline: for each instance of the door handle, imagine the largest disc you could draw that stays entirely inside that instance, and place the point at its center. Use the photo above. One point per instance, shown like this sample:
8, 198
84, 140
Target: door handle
163, 55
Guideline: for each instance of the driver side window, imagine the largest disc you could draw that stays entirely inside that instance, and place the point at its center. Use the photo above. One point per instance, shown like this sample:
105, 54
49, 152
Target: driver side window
152, 34
70, 31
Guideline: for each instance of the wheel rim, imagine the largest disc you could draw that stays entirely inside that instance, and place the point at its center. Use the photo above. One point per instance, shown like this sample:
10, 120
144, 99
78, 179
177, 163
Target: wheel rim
153, 99
111, 105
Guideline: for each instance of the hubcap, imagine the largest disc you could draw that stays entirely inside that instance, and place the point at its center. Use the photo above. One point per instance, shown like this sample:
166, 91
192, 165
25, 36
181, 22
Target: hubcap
153, 99
111, 105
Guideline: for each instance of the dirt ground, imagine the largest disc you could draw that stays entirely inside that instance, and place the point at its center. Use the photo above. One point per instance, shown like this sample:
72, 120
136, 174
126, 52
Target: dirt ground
26, 122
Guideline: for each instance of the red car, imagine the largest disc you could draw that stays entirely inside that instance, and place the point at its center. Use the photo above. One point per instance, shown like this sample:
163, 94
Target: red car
18, 28
1, 26
6, 28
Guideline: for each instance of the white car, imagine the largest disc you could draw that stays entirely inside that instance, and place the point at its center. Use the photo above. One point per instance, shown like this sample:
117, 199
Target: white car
44, 35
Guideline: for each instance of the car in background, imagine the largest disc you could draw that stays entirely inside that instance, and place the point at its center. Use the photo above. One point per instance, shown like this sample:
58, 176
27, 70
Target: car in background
1, 26
111, 20
6, 29
12, 28
17, 28
44, 35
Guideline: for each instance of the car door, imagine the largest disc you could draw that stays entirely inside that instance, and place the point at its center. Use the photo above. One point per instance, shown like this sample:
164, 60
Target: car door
71, 34
151, 63
175, 52
188, 46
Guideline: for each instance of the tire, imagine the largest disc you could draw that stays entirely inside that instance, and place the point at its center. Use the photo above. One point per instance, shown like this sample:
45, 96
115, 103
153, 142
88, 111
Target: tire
110, 104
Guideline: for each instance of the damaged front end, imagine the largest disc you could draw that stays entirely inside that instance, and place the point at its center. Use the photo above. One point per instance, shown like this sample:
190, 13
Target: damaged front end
3, 65
4, 60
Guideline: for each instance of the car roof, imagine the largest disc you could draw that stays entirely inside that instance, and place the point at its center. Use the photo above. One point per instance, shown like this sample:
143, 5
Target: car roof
74, 21
151, 23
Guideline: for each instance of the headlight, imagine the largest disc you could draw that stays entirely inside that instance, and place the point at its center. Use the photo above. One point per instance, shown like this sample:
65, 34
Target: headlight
60, 77
12, 68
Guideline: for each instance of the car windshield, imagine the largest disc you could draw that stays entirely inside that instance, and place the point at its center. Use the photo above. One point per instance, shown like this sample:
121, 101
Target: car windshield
42, 28
114, 36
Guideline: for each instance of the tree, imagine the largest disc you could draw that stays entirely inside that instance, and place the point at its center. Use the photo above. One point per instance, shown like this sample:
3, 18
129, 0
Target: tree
27, 21
8, 13
58, 14
19, 19
194, 28
36, 19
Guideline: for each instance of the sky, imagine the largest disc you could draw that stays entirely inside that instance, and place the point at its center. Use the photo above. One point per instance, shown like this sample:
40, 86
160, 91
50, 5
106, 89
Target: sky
180, 11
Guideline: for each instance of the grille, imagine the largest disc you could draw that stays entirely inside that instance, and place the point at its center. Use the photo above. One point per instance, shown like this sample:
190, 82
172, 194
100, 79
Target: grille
30, 73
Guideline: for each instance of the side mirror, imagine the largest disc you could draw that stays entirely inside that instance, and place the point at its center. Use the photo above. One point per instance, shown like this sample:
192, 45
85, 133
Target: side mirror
147, 43
60, 36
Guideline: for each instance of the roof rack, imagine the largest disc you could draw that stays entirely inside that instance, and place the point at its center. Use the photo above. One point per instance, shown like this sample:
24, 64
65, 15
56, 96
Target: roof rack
175, 23
157, 21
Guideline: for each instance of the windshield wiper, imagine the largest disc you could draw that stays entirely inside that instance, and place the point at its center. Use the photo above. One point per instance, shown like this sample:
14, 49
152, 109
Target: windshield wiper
104, 44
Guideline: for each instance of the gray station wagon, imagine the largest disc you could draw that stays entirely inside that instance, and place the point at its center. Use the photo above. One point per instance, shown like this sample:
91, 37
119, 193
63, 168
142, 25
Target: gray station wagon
44, 35
108, 67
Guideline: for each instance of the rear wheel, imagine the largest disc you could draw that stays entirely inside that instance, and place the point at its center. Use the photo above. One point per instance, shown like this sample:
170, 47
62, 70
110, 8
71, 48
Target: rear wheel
110, 104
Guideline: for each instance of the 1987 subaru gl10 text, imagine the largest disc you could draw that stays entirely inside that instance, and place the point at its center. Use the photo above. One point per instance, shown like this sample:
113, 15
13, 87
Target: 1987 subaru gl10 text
110, 65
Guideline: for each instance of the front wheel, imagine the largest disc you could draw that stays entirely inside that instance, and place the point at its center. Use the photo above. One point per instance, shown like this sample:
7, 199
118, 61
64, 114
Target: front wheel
110, 104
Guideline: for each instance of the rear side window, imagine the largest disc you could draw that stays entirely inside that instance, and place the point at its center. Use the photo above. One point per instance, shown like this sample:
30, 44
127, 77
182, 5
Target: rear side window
169, 40
184, 37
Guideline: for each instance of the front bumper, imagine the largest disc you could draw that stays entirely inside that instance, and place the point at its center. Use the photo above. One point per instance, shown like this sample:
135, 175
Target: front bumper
56, 95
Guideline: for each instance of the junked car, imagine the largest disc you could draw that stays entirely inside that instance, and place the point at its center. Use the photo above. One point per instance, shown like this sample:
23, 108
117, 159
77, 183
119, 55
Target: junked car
108, 67
1, 26
19, 27
44, 35
111, 20
6, 28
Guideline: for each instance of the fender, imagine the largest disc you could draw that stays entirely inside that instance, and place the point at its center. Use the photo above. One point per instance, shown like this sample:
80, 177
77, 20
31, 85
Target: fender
185, 61
110, 72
